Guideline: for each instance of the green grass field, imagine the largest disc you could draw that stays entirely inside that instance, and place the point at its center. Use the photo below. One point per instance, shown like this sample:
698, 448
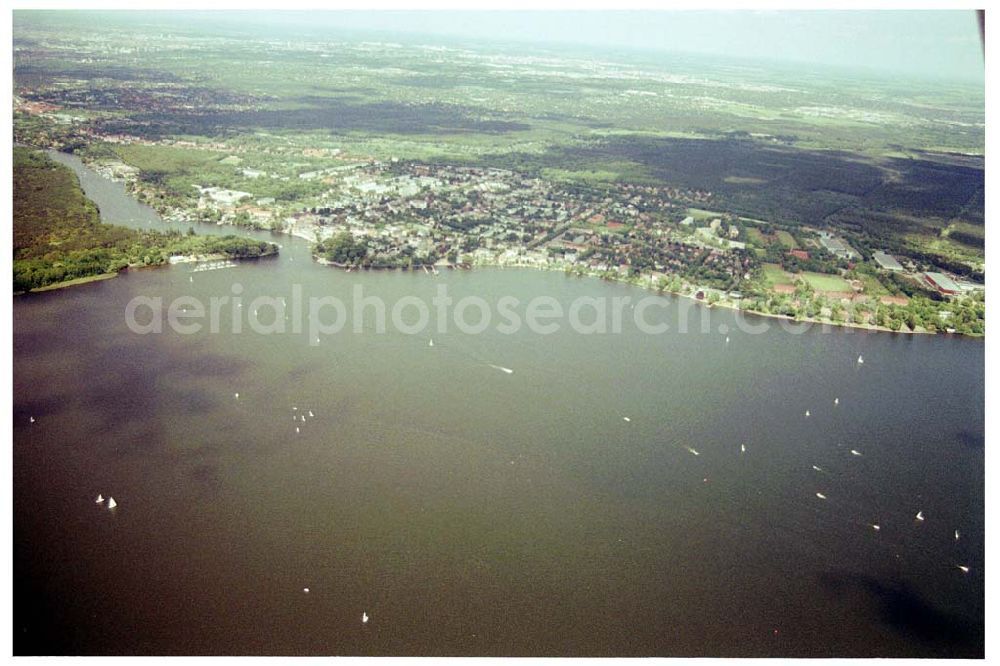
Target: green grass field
699, 214
744, 180
755, 236
787, 240
167, 159
775, 275
604, 229
824, 282
966, 228
872, 286
591, 175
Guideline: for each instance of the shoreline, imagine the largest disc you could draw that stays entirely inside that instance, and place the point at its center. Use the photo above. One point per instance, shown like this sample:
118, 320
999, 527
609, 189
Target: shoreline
770, 315
726, 305
735, 307
194, 258
100, 277
301, 234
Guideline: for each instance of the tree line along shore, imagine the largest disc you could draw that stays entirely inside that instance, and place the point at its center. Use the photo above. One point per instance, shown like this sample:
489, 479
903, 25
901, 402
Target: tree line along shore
60, 241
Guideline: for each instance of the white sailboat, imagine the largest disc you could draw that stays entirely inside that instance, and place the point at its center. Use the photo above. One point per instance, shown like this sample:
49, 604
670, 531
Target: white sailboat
861, 359
112, 503
920, 515
100, 499
431, 343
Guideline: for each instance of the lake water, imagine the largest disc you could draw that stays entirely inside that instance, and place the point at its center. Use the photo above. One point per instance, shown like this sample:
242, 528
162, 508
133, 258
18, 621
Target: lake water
468, 511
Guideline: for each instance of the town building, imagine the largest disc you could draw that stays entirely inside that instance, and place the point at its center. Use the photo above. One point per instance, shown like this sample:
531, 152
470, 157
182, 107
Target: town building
887, 261
838, 247
942, 283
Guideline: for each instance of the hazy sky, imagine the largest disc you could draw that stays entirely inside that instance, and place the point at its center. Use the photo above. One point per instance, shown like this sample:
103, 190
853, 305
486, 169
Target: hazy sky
936, 43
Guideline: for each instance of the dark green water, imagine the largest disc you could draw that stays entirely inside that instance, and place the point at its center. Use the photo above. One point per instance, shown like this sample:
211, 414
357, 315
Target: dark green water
472, 512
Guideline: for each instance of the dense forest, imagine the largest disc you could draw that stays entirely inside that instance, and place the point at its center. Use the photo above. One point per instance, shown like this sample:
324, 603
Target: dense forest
58, 235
